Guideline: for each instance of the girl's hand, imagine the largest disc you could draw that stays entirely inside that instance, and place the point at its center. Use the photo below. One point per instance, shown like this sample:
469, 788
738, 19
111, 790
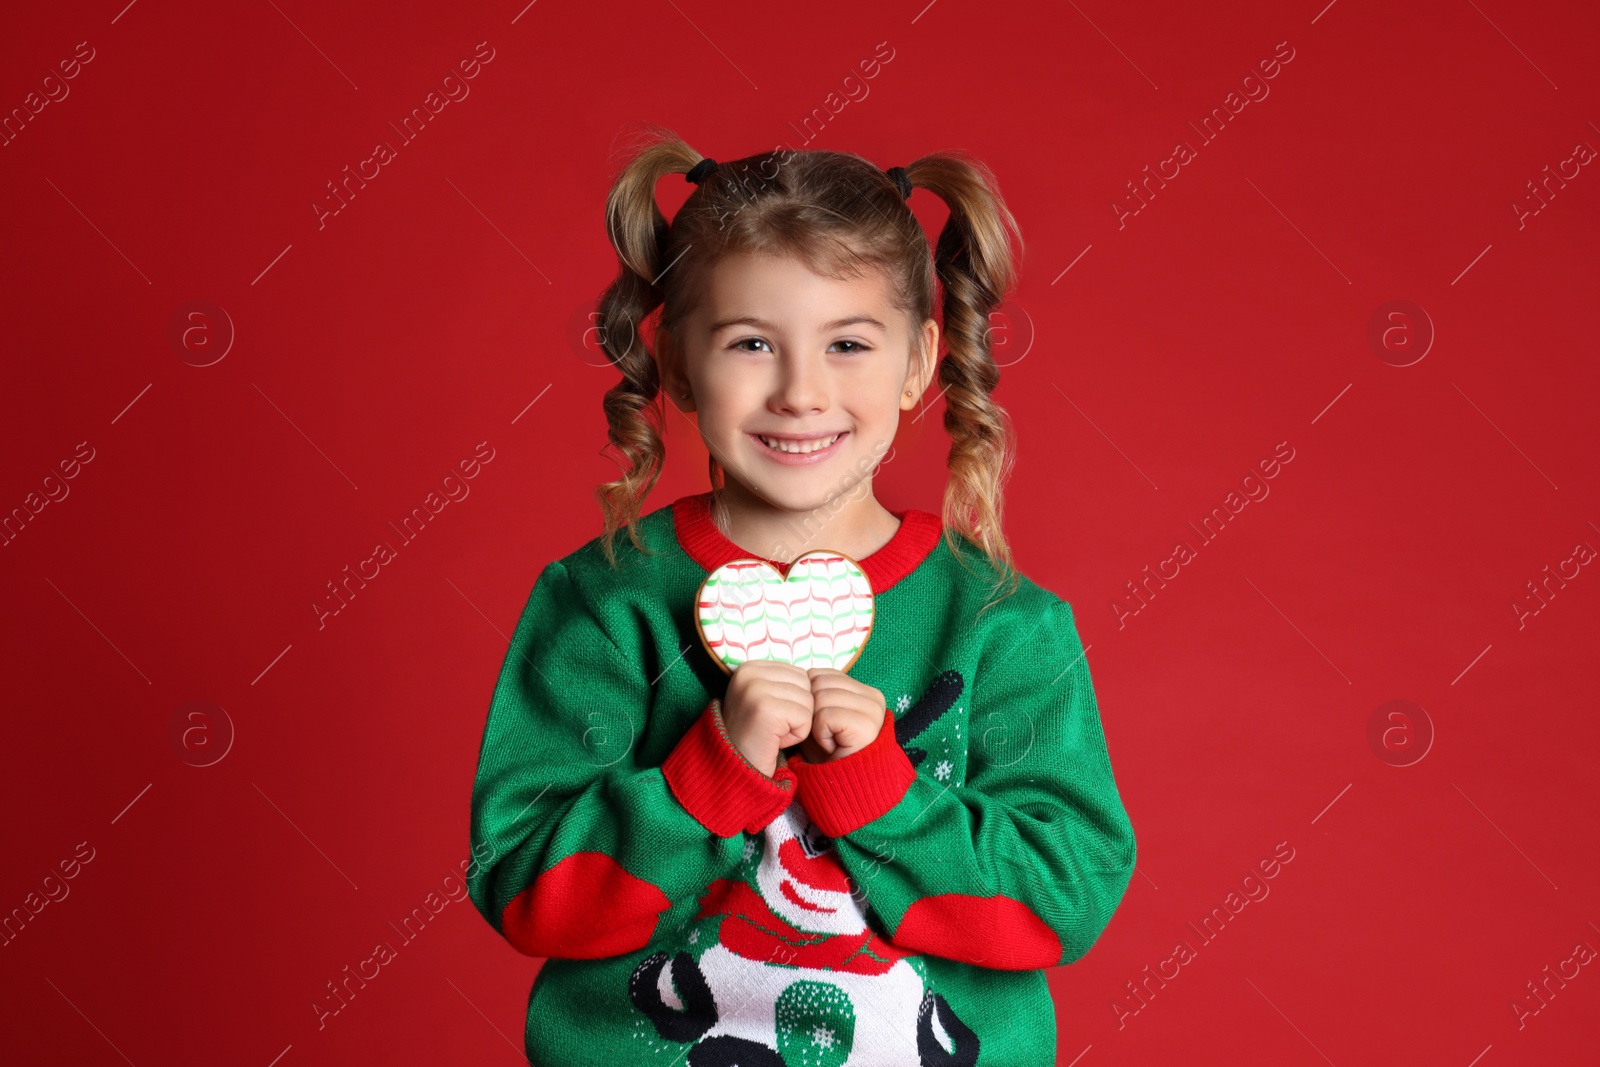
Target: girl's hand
847, 715
768, 707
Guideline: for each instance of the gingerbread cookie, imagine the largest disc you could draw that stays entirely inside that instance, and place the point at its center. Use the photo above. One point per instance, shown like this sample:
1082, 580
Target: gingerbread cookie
820, 615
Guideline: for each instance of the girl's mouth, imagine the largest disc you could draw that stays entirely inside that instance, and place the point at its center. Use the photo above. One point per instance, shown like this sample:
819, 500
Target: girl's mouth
793, 452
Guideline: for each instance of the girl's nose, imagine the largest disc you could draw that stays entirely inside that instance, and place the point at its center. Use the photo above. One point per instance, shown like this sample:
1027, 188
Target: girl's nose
800, 389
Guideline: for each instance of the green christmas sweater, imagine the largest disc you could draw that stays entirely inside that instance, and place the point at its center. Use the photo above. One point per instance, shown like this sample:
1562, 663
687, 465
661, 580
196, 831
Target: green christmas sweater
895, 906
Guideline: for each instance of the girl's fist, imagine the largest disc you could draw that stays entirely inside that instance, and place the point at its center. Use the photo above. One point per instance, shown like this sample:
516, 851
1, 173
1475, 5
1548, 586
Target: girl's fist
846, 716
768, 707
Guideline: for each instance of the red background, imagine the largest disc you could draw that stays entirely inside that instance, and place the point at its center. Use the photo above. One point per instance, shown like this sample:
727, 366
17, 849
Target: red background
373, 354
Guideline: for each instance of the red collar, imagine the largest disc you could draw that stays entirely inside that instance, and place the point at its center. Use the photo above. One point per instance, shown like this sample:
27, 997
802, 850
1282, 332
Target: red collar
708, 546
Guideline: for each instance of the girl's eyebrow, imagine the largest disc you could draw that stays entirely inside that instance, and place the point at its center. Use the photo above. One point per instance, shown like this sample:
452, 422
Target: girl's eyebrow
827, 327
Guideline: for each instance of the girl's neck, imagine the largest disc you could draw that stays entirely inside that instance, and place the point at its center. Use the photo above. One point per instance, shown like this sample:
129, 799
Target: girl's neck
856, 527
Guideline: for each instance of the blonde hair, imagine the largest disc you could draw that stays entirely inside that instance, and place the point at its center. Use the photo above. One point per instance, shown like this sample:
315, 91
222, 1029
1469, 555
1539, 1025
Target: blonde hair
840, 214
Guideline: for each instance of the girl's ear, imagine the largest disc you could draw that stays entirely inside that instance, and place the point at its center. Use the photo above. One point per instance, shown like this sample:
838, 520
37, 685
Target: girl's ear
923, 361
670, 371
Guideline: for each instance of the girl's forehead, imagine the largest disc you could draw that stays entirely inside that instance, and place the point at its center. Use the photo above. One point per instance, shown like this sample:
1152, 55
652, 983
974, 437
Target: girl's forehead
744, 283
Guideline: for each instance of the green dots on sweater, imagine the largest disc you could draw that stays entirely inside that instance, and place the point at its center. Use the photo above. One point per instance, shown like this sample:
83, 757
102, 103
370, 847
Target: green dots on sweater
816, 1025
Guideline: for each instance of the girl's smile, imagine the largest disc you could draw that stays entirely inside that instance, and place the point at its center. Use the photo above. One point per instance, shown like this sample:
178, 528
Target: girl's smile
801, 449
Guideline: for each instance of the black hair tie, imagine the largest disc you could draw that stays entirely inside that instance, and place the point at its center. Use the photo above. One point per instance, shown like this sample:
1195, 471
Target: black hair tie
701, 170
901, 180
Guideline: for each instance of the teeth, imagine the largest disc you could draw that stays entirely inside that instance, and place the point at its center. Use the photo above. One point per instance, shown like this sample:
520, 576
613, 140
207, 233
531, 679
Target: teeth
798, 447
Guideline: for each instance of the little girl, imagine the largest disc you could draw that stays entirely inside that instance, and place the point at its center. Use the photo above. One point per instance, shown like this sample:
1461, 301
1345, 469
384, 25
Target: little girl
798, 866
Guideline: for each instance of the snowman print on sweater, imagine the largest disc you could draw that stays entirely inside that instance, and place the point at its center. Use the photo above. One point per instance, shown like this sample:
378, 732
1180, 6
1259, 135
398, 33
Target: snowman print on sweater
781, 969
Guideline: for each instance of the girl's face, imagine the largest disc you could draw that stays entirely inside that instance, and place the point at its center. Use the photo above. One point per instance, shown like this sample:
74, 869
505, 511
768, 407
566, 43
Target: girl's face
798, 379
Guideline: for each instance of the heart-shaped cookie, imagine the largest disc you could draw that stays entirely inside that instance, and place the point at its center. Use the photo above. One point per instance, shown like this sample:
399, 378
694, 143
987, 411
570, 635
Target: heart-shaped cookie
820, 615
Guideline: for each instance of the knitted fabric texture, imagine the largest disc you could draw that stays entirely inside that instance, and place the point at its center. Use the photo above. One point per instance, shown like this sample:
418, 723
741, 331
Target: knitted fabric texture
896, 906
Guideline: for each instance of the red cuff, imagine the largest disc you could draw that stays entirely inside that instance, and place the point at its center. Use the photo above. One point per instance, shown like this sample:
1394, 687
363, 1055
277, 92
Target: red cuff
845, 794
718, 786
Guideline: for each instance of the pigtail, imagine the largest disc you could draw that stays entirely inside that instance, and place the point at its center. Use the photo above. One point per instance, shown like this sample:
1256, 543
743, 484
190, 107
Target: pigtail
976, 268
634, 407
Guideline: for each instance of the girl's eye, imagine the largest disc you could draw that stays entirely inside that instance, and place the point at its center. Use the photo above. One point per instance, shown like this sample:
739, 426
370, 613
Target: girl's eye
855, 346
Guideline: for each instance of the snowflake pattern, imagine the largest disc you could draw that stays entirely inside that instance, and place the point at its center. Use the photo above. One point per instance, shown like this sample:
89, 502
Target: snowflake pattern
749, 849
694, 936
903, 703
942, 771
822, 1037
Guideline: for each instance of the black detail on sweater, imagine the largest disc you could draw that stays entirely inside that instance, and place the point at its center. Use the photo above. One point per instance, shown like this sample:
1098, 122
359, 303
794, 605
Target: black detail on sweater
726, 1051
699, 1015
929, 1051
699, 1012
937, 699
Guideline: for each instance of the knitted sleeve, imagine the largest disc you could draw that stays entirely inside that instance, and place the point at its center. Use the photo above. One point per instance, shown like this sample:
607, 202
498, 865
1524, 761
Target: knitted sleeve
1021, 866
579, 849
